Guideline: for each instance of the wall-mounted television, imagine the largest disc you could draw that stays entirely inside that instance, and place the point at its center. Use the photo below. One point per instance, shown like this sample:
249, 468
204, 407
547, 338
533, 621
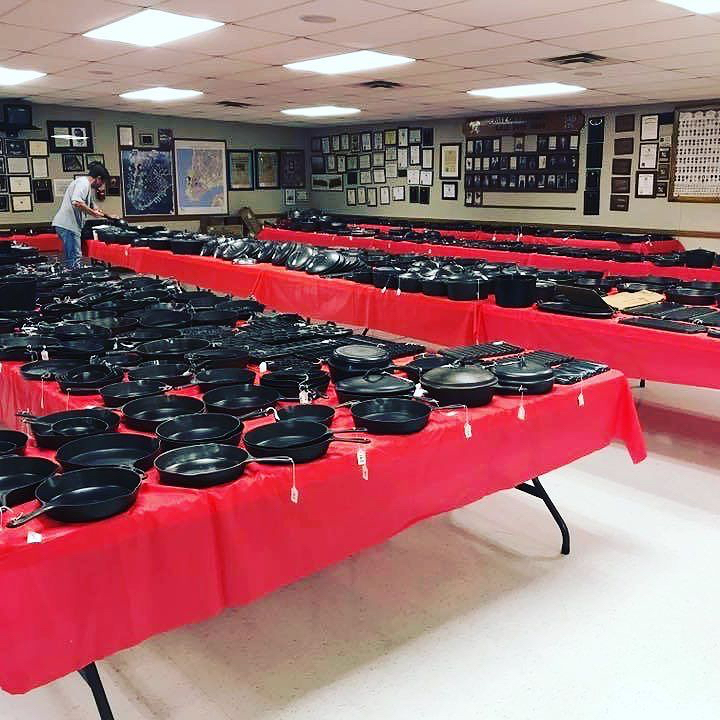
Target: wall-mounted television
17, 115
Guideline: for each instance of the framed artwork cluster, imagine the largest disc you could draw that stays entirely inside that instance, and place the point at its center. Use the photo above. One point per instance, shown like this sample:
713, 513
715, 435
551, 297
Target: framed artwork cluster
620, 182
24, 174
275, 169
70, 136
522, 163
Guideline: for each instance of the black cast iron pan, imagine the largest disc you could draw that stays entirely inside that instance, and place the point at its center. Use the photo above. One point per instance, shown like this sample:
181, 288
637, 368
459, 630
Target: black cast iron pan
41, 427
19, 476
48, 369
323, 414
199, 429
84, 495
109, 449
174, 374
211, 378
391, 416
15, 439
147, 413
118, 394
240, 400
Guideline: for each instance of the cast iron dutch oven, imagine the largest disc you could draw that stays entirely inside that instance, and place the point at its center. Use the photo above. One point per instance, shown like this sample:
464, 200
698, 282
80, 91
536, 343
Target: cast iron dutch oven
691, 296
373, 384
515, 290
523, 376
421, 363
471, 386
356, 359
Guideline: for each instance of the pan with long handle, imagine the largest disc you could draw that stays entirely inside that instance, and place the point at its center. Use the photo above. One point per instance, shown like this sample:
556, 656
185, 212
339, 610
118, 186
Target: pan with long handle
147, 413
84, 495
19, 476
109, 450
199, 429
240, 400
393, 416
41, 427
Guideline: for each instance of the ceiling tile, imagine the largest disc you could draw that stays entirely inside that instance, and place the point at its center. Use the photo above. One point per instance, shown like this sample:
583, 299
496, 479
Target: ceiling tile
13, 37
287, 52
695, 59
404, 73
227, 40
225, 10
79, 17
346, 15
43, 63
455, 78
494, 56
220, 67
469, 40
667, 48
155, 58
604, 17
415, 4
85, 48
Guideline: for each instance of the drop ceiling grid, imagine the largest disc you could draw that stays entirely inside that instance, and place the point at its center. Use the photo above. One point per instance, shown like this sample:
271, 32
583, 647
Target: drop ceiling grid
459, 46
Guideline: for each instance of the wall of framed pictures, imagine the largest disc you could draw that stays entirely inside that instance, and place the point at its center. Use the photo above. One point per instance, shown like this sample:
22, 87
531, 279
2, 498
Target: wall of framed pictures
85, 135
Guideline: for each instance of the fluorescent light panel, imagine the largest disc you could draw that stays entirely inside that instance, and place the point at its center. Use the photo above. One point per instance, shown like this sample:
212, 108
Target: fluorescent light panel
702, 7
149, 28
160, 94
350, 62
321, 111
10, 76
528, 91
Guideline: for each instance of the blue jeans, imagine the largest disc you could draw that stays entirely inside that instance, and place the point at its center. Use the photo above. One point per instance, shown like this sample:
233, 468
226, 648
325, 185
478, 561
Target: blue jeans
72, 249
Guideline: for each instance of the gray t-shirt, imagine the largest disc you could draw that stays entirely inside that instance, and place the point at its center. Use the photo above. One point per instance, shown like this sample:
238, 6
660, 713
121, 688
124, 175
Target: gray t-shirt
67, 216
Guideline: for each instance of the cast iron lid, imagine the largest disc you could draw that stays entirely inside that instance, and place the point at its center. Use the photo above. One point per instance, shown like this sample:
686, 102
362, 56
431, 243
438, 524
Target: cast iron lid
522, 371
361, 355
373, 382
457, 378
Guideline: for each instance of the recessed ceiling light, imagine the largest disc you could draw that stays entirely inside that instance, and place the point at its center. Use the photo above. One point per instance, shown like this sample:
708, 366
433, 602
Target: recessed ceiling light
350, 62
149, 28
10, 76
528, 91
160, 94
703, 7
320, 19
321, 111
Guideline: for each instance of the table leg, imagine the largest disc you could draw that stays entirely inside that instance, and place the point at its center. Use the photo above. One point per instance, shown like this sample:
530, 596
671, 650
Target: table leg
642, 382
91, 676
535, 488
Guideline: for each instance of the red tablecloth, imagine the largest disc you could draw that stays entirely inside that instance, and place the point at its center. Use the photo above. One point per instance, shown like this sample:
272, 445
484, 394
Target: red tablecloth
44, 242
548, 262
182, 555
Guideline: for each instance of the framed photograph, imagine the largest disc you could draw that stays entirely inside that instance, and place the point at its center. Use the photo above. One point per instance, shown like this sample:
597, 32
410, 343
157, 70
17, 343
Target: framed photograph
450, 158
326, 183
289, 196
620, 203
113, 186
426, 161
624, 123
662, 190
379, 175
362, 195
663, 171
624, 146
649, 127
351, 162
415, 136
126, 136
621, 166
403, 137
139, 198
372, 197
4, 184
21, 203
351, 178
391, 153
428, 137
165, 138
378, 159
366, 142
4, 203
391, 170
351, 196
15, 148
146, 138
325, 145
335, 143
355, 143
267, 169
648, 156
70, 136
620, 185
37, 148
645, 184
426, 177
201, 182
292, 168
330, 163
365, 177
72, 163
414, 155
317, 163
94, 157
402, 158
377, 138
384, 195
341, 164
19, 183
398, 193
240, 170
345, 142
390, 137
18, 166
42, 191
315, 145
39, 167
449, 191
365, 162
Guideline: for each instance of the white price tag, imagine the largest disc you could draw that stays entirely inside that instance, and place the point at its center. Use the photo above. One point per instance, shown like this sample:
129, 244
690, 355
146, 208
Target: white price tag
34, 537
521, 412
361, 457
263, 367
364, 472
467, 428
384, 290
418, 390
494, 237
581, 399
304, 397
294, 495
0, 367
398, 291
44, 355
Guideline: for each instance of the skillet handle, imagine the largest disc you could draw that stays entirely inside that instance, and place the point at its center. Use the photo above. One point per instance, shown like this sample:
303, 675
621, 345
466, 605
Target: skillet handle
256, 414
357, 429
361, 441
22, 519
26, 415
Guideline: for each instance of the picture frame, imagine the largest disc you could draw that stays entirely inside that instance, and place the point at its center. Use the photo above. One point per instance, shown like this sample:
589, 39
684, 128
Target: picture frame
378, 159
136, 164
315, 145
619, 203
402, 158
450, 160
72, 162
335, 143
415, 136
645, 184
2, 146
208, 194
377, 138
426, 161
372, 197
621, 166
39, 167
428, 137
365, 161
426, 177
414, 155
365, 177
292, 168
413, 176
21, 203
362, 195
42, 191
624, 146
289, 196
341, 163
351, 197
37, 148
351, 162
70, 136
20, 184
4, 184
325, 144
165, 138
126, 136
384, 195
355, 142
94, 157
113, 186
391, 153
15, 147
449, 191
391, 170
240, 169
664, 154
317, 164
3, 166
649, 127
625, 123
424, 195
325, 183
620, 185
390, 137
18, 166
414, 194
366, 142
351, 178
403, 137
267, 169
146, 139
398, 193
379, 175
662, 190
663, 171
4, 203
648, 156
345, 142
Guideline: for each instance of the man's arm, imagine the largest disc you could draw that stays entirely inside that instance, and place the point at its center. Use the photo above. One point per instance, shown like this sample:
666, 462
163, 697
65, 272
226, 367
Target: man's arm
80, 205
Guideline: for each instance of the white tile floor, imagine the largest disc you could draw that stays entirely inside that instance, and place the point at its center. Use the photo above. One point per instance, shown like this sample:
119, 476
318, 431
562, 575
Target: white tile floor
474, 614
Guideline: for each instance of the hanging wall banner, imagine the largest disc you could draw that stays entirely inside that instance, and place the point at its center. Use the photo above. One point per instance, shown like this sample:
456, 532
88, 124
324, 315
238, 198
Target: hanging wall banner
520, 123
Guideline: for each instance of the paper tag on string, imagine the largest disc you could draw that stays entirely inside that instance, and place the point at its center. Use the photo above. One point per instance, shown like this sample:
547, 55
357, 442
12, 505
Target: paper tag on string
467, 429
0, 367
44, 354
364, 472
263, 367
294, 495
34, 537
384, 290
304, 397
418, 390
42, 393
398, 291
361, 457
521, 409
581, 396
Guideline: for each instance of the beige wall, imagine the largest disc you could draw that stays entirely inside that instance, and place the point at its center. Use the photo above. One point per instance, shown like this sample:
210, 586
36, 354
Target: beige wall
655, 213
104, 123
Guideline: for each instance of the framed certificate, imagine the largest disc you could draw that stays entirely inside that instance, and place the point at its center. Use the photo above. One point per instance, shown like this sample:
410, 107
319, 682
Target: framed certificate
427, 158
449, 191
351, 196
649, 127
414, 154
450, 161
413, 176
648, 156
398, 193
645, 183
385, 195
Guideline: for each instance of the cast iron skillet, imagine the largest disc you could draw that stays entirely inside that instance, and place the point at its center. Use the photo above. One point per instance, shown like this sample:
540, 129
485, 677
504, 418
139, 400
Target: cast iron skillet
199, 429
322, 414
42, 430
48, 369
201, 466
84, 495
391, 416
240, 400
16, 439
211, 378
174, 374
109, 449
147, 413
19, 476
120, 393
